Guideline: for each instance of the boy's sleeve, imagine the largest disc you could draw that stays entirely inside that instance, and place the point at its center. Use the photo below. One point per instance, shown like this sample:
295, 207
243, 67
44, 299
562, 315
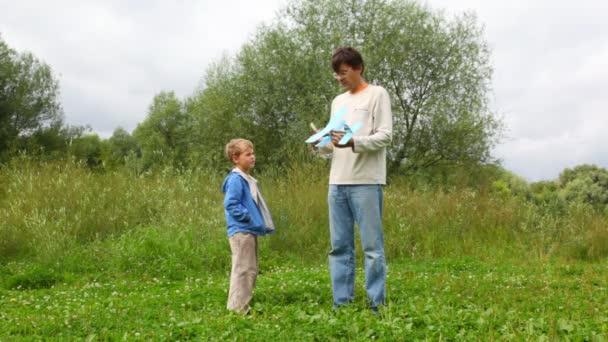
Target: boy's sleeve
233, 201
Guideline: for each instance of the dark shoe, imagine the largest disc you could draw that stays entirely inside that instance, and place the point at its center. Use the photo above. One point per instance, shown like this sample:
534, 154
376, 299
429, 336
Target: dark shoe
376, 308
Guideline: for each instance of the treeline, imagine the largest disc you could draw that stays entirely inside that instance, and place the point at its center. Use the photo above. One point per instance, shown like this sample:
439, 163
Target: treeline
435, 68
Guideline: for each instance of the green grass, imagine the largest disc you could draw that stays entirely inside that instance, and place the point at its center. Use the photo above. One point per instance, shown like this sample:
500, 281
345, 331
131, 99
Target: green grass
445, 299
108, 256
47, 211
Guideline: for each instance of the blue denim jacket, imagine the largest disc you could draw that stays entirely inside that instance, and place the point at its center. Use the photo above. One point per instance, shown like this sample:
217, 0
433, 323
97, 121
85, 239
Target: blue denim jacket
242, 214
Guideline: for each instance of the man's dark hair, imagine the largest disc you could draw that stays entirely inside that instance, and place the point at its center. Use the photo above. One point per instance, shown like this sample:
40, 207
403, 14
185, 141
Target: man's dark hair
349, 56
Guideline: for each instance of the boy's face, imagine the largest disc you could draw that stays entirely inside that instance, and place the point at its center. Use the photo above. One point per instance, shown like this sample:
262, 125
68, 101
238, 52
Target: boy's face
349, 78
245, 161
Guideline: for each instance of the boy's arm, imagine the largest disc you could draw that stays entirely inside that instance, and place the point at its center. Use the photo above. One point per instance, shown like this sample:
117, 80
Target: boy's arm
233, 201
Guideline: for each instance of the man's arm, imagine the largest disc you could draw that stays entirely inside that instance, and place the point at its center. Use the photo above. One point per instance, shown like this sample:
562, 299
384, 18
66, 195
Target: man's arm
383, 126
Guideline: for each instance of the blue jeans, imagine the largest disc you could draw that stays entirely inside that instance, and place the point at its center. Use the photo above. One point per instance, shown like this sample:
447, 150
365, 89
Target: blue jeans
361, 204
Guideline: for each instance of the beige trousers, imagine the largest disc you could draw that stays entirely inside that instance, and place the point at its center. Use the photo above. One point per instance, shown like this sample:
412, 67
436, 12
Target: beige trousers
244, 247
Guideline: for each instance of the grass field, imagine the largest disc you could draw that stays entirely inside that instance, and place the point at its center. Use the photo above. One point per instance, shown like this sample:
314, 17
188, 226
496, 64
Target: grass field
445, 299
113, 256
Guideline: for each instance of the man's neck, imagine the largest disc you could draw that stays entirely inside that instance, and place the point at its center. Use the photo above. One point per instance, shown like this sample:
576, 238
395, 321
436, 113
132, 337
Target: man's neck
360, 86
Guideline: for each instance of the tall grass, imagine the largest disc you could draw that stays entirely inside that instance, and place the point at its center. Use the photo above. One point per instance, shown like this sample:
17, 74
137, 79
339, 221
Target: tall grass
172, 222
62, 211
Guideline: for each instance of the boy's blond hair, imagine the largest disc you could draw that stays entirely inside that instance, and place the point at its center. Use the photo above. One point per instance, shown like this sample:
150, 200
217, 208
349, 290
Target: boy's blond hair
237, 146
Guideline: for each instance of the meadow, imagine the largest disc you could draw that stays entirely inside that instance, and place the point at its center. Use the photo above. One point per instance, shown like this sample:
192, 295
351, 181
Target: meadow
121, 256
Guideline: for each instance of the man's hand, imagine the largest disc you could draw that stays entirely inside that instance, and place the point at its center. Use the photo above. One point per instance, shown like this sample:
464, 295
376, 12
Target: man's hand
337, 135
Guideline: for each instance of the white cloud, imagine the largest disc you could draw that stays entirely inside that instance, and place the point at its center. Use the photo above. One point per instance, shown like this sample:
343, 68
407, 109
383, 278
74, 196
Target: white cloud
549, 78
112, 57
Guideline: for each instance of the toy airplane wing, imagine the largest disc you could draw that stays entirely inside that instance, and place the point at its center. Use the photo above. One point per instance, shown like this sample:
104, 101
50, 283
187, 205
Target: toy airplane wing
327, 138
334, 123
350, 131
324, 141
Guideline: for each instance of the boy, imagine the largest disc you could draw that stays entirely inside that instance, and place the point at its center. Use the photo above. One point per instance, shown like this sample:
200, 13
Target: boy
247, 216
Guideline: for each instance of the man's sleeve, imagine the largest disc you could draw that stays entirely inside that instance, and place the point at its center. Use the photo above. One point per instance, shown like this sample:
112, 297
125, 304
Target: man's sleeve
327, 149
383, 126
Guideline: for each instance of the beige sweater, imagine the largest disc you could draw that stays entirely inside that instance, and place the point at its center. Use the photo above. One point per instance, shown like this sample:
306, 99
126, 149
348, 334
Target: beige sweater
366, 163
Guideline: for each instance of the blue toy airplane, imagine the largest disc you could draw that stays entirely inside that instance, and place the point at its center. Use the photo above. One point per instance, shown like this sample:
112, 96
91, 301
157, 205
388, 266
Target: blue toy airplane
350, 131
335, 124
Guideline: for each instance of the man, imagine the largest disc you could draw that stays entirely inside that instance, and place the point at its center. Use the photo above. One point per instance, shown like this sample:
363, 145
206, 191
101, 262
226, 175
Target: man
358, 172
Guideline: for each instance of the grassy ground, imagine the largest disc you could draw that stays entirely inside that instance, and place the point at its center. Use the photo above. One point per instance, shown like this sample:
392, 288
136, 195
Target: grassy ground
446, 299
108, 256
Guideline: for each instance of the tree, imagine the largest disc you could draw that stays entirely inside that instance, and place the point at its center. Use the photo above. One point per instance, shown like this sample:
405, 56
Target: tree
87, 148
28, 97
46, 143
214, 111
585, 183
436, 70
119, 147
164, 136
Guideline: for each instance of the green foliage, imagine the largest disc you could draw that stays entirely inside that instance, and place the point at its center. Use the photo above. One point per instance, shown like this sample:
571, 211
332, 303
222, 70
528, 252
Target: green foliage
436, 70
168, 253
120, 148
50, 209
163, 135
585, 183
37, 278
544, 191
88, 149
89, 255
47, 143
29, 101
508, 185
440, 177
214, 112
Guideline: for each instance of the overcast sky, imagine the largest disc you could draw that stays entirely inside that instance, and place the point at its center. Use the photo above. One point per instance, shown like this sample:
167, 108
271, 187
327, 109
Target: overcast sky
550, 62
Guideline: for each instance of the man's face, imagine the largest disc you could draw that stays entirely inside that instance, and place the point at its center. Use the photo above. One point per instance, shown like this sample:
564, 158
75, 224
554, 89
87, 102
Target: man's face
349, 78
246, 160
